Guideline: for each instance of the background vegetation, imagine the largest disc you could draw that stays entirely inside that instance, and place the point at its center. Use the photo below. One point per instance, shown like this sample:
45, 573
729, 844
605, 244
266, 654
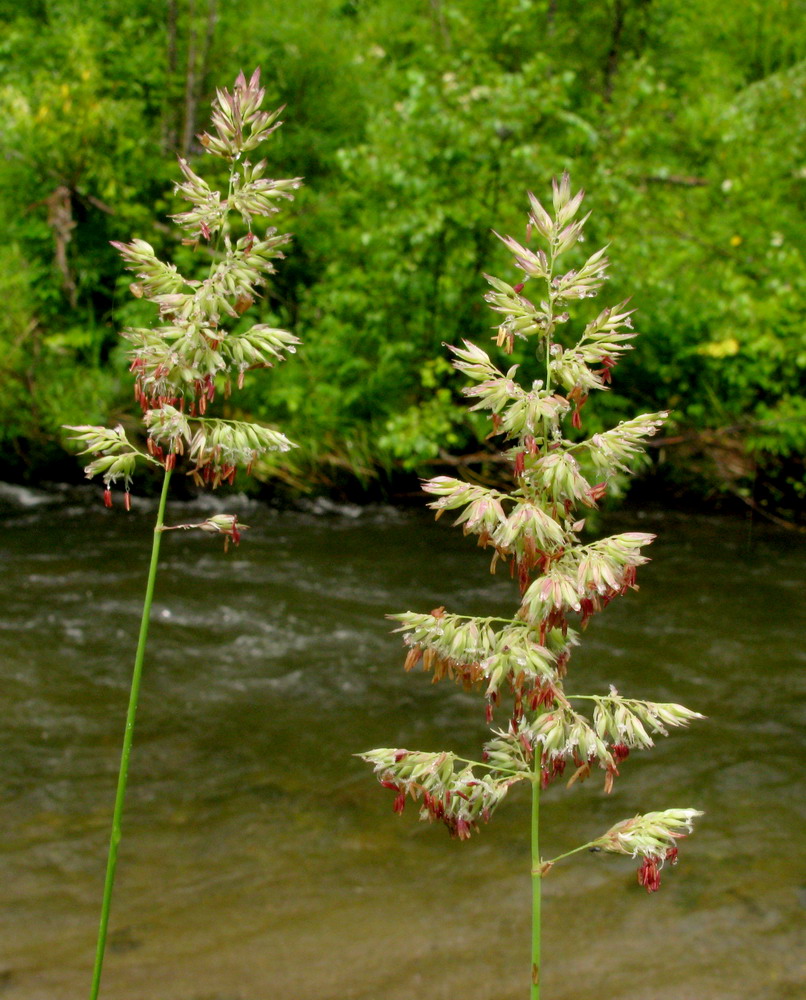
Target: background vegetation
418, 127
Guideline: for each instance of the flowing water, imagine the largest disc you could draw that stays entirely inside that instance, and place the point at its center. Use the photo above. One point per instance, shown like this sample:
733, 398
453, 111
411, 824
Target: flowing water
261, 860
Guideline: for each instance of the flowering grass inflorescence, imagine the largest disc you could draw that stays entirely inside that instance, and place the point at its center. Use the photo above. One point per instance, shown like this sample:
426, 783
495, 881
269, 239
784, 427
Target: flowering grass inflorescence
201, 346
182, 364
536, 529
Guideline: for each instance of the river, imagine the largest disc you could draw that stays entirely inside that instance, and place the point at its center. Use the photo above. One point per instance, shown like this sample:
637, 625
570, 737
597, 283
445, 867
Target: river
261, 860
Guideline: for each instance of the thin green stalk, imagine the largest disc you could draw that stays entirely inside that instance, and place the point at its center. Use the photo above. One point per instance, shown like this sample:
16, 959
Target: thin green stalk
537, 876
474, 618
128, 735
220, 233
583, 847
549, 332
490, 767
536, 880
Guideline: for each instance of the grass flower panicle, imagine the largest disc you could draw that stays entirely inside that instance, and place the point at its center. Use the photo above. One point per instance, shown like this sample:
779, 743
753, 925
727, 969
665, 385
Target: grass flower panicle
521, 662
199, 349
181, 364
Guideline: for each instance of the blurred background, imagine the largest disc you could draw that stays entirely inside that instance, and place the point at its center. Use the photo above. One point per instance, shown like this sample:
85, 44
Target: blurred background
419, 127
260, 859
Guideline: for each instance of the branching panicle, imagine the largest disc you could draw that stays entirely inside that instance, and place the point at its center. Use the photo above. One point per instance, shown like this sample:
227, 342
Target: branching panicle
521, 662
181, 364
183, 361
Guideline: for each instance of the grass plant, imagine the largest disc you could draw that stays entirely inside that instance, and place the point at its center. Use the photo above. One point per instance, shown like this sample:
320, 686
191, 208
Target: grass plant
201, 347
536, 528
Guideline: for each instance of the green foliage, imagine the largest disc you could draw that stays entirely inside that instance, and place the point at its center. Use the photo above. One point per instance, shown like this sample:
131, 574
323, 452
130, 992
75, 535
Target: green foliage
43, 383
414, 125
431, 429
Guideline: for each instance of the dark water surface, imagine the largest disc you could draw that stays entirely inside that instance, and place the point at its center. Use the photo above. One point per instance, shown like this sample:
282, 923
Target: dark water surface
261, 861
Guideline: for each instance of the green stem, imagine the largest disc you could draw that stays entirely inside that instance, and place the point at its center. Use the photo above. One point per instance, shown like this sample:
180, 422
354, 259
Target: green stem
549, 331
220, 233
536, 881
114, 841
211, 420
144, 455
491, 767
576, 850
474, 618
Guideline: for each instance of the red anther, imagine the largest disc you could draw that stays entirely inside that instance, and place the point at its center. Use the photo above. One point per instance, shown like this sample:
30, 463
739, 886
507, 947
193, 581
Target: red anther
107, 497
649, 875
463, 829
598, 491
